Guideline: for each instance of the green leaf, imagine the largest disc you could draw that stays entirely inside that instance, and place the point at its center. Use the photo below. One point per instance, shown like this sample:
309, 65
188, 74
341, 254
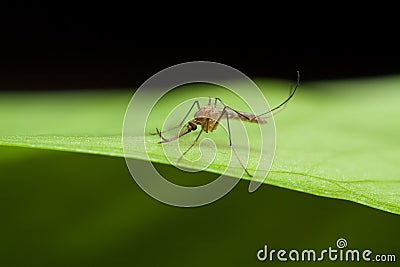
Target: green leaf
335, 139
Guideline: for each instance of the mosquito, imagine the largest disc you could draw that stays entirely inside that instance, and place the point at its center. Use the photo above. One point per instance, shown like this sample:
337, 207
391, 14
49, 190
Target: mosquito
209, 116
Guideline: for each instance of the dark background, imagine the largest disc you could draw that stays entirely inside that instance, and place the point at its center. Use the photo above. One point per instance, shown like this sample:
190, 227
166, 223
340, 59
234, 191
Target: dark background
61, 46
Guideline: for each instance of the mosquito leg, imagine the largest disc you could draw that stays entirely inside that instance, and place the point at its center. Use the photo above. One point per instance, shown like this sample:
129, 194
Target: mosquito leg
291, 94
237, 112
284, 106
223, 112
196, 102
192, 145
229, 133
230, 144
275, 112
215, 102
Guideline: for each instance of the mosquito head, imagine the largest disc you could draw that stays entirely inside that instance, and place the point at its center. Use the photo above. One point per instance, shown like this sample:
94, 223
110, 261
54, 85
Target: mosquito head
192, 125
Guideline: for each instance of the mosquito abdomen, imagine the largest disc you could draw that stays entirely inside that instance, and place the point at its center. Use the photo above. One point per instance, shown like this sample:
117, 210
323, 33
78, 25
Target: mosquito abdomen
245, 116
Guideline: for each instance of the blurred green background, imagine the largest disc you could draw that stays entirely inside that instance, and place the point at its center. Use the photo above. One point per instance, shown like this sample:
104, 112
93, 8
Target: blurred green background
70, 209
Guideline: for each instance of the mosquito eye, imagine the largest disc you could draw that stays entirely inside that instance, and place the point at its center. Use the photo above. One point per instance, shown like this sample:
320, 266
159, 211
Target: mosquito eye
192, 125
